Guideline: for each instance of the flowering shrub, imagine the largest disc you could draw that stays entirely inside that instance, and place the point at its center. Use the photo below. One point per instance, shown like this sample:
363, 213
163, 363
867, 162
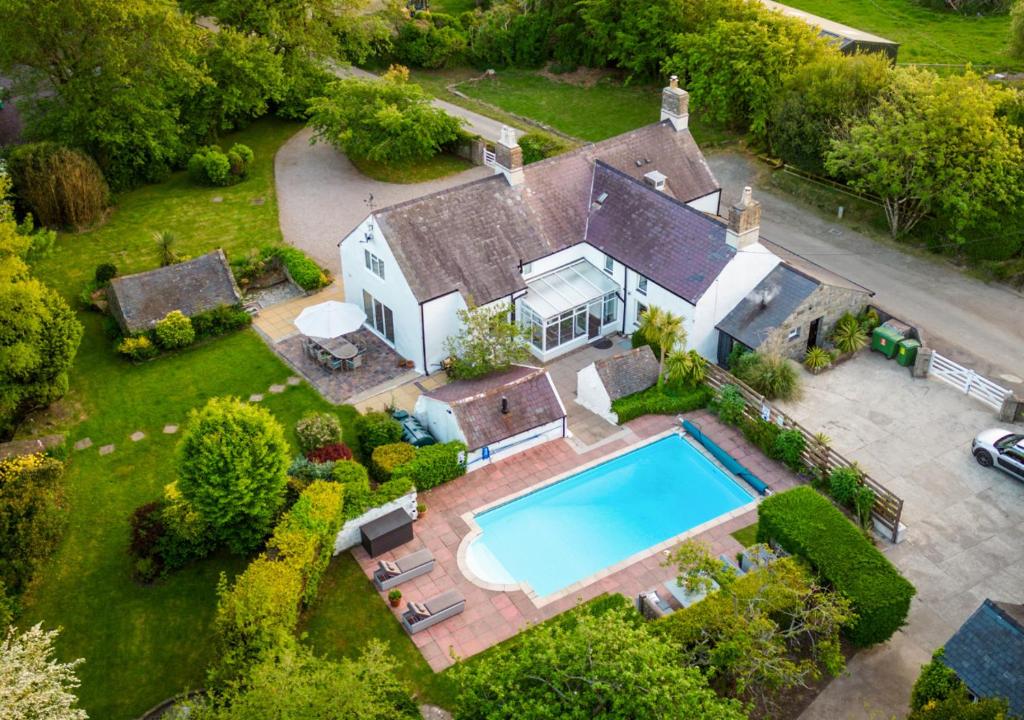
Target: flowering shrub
330, 453
316, 430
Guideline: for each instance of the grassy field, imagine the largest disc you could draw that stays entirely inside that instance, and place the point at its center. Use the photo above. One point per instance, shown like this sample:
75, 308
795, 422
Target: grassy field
439, 166
592, 113
925, 36
453, 7
746, 536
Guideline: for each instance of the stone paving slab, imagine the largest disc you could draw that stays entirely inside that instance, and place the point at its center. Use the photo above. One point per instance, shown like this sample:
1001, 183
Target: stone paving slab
106, 449
293, 380
256, 397
277, 389
137, 435
170, 429
83, 444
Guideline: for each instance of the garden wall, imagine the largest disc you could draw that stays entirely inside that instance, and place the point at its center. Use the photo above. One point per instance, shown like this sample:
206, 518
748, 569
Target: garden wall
349, 536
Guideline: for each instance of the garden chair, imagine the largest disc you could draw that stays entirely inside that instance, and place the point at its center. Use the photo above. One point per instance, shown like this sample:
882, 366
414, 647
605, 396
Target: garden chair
439, 608
652, 606
392, 574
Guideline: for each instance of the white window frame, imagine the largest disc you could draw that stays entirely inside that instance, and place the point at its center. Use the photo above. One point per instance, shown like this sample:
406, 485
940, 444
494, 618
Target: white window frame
527, 268
641, 284
793, 334
373, 263
640, 309
609, 264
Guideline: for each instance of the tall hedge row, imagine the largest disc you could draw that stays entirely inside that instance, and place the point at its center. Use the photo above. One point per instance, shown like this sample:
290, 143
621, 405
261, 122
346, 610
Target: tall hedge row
261, 608
433, 465
807, 524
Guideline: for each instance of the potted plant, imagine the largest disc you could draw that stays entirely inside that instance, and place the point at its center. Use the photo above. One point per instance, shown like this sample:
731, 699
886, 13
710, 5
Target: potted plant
817, 359
395, 596
421, 510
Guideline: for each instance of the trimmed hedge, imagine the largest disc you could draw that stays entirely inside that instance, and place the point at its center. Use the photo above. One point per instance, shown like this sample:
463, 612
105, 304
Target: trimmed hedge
305, 536
807, 524
359, 497
434, 465
666, 401
386, 458
303, 270
375, 429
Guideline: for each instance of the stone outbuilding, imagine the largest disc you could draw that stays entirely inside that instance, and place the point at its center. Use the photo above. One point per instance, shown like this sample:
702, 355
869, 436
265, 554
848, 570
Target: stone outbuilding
790, 311
141, 300
496, 415
603, 381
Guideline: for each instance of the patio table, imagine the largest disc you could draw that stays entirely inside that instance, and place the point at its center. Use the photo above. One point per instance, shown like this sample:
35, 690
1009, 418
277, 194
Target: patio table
338, 347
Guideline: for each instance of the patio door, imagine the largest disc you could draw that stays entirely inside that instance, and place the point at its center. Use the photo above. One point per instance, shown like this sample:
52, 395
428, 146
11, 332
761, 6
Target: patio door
379, 316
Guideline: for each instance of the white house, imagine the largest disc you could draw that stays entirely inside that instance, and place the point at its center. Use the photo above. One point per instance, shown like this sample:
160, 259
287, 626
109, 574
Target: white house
577, 246
497, 415
610, 378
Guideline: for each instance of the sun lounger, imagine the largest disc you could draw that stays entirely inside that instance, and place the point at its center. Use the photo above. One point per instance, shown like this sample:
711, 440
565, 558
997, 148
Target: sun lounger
652, 606
439, 608
389, 575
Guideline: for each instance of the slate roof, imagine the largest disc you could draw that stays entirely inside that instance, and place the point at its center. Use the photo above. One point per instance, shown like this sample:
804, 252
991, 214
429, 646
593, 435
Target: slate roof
203, 283
987, 652
768, 305
472, 237
476, 404
628, 372
679, 248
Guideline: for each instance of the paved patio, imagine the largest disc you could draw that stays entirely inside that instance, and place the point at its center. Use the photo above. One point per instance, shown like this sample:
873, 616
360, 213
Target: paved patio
491, 617
965, 523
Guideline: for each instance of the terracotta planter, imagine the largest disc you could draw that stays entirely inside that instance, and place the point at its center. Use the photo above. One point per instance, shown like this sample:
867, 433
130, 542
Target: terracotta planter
395, 602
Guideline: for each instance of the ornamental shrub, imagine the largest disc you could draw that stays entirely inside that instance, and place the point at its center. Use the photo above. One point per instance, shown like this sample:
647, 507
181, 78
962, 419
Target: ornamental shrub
386, 458
817, 359
317, 429
936, 682
104, 273
330, 453
188, 535
356, 481
174, 331
302, 269
664, 401
789, 447
843, 483
220, 320
307, 470
62, 186
210, 166
849, 335
729, 404
434, 465
807, 524
375, 429
761, 433
305, 535
137, 348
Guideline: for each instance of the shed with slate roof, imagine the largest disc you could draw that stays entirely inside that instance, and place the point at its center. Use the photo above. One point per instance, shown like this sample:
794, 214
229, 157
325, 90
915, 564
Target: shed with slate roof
606, 380
141, 300
496, 415
987, 653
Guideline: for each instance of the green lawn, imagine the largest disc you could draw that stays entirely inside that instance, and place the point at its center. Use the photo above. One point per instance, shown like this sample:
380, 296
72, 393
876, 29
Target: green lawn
925, 36
439, 166
746, 536
348, 612
453, 7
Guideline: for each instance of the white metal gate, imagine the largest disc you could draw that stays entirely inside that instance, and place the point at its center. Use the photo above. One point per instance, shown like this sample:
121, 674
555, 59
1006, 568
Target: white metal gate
489, 159
967, 381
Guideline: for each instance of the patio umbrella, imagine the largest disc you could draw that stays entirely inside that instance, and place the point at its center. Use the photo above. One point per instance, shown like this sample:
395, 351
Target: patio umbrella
330, 319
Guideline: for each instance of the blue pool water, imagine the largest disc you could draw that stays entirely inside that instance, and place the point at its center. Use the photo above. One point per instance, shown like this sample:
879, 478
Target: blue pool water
574, 528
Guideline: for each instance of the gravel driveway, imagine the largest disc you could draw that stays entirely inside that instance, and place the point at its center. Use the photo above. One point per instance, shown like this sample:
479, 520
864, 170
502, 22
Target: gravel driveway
321, 196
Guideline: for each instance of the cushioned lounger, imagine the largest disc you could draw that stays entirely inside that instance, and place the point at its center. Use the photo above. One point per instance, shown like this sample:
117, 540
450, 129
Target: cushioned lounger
438, 608
412, 565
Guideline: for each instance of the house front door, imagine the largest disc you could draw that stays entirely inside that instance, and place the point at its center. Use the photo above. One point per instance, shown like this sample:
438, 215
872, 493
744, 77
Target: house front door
812, 334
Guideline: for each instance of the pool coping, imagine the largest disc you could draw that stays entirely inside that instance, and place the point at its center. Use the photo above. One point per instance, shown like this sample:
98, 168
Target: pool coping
540, 601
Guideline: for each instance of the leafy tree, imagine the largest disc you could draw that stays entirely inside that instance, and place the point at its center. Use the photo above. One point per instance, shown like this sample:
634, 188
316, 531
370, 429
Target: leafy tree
87, 79
385, 120
734, 69
33, 684
292, 683
935, 145
31, 518
939, 694
424, 43
39, 333
232, 463
820, 99
663, 330
488, 341
771, 629
591, 664
63, 187
246, 76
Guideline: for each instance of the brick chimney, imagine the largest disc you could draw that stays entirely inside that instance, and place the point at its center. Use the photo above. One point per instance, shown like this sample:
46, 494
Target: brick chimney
744, 226
675, 104
508, 157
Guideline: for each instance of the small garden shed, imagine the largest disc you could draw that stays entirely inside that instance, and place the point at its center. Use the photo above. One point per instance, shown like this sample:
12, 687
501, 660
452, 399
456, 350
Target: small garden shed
139, 301
603, 381
496, 415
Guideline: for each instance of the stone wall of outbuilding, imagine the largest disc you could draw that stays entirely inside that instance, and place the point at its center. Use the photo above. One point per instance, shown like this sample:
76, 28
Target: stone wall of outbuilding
828, 302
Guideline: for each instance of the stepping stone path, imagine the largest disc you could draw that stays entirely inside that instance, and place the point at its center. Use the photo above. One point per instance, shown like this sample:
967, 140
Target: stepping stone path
255, 397
170, 429
277, 389
83, 444
293, 381
217, 199
106, 449
137, 435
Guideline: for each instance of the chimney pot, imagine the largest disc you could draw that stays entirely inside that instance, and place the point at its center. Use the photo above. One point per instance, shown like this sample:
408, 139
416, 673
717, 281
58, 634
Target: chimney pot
673, 82
675, 104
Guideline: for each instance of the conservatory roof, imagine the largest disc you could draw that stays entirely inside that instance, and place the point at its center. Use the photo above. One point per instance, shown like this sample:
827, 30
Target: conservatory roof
568, 287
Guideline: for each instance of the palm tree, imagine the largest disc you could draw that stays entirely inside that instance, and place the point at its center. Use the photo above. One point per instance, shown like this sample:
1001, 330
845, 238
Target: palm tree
685, 367
665, 329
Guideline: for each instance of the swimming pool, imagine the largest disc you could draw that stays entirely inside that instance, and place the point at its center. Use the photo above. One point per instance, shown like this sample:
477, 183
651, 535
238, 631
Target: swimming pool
568, 531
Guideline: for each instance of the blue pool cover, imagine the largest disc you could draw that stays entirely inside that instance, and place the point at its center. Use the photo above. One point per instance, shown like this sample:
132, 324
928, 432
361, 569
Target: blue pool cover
570, 530
733, 465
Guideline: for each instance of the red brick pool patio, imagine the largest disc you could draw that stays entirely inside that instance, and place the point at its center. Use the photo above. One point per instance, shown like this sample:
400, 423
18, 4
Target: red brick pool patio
490, 616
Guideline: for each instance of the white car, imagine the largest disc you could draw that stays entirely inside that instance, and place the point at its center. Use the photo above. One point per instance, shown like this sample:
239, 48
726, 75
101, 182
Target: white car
1000, 448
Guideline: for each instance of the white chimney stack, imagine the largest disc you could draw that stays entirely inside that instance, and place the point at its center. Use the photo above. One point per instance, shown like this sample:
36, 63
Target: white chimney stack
675, 104
508, 157
744, 228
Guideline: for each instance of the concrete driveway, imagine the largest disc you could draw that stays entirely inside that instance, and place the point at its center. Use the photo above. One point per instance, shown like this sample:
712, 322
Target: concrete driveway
973, 323
322, 196
965, 523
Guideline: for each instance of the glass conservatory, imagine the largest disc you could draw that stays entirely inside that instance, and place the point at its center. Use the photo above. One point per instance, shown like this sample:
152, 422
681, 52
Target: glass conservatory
572, 302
